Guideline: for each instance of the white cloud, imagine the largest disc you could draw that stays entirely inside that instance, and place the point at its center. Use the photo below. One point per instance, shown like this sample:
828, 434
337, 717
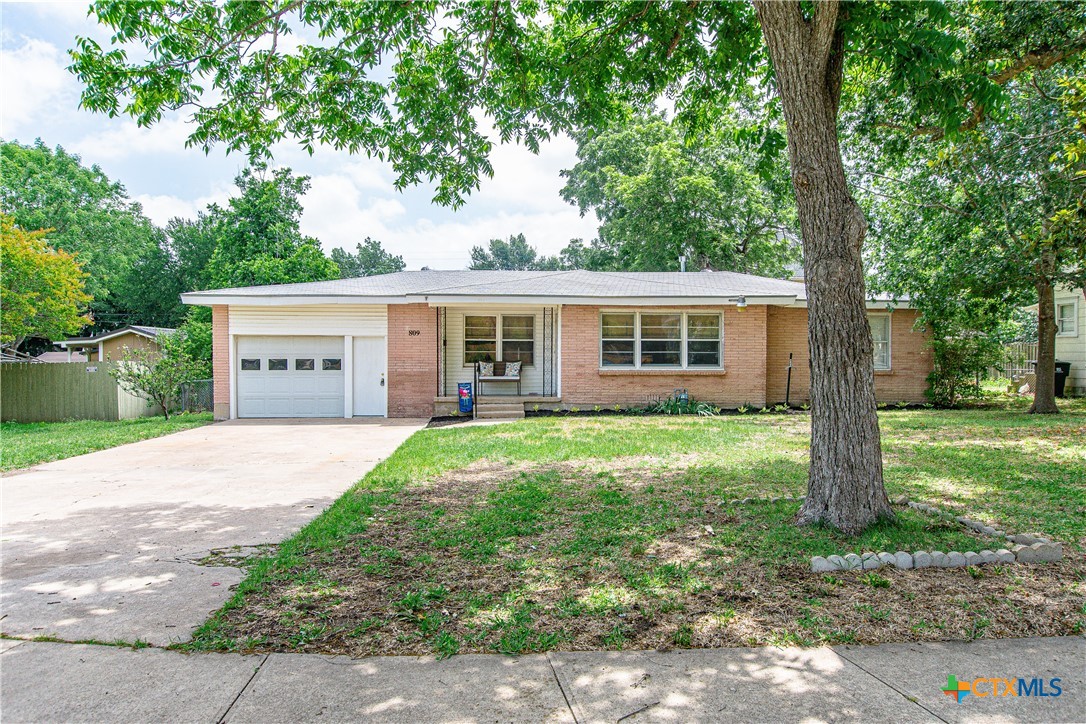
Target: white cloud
341, 214
123, 139
160, 208
33, 79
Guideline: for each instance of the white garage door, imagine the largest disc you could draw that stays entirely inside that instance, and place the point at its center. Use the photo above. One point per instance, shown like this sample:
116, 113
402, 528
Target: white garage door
290, 376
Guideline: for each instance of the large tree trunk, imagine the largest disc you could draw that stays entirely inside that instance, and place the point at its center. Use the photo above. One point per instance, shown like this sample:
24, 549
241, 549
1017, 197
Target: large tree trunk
845, 487
1044, 388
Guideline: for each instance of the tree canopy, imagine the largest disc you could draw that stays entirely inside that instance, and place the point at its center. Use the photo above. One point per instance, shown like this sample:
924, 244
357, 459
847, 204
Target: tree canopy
258, 235
972, 227
41, 288
92, 216
717, 198
370, 258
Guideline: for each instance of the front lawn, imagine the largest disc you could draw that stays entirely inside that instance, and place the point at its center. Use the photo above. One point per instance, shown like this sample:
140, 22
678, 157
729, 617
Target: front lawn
30, 443
588, 533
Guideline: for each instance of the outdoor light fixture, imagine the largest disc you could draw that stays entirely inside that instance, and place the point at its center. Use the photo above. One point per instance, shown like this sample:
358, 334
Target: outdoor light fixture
740, 304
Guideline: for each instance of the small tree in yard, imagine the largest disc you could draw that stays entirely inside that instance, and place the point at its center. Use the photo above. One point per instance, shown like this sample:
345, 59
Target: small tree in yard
158, 376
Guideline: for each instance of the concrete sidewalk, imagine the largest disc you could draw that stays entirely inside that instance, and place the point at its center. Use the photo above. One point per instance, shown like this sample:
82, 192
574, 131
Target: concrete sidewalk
898, 682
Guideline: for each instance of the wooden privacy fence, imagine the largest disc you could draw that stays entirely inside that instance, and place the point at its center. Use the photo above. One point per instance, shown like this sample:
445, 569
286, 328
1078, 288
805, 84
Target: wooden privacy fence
1017, 360
65, 391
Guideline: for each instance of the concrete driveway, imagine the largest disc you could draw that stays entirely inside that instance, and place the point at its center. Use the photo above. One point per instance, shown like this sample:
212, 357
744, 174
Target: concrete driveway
116, 544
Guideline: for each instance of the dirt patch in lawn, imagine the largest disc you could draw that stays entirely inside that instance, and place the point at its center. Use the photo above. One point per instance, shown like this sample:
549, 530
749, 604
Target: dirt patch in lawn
575, 557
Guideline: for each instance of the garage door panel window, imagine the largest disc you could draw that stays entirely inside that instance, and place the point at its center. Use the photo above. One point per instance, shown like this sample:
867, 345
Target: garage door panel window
660, 339
304, 364
331, 364
277, 364
250, 365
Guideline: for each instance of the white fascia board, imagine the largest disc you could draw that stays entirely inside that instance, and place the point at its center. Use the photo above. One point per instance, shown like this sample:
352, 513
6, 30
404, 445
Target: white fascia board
453, 300
207, 300
876, 305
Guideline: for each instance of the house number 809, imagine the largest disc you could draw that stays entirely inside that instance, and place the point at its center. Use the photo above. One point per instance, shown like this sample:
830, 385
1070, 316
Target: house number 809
414, 332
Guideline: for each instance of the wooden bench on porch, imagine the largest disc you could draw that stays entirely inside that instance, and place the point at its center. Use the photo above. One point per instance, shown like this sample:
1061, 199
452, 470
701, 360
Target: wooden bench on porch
498, 372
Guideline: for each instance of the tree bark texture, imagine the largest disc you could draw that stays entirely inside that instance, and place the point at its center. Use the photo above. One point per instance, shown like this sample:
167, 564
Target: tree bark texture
845, 486
1044, 387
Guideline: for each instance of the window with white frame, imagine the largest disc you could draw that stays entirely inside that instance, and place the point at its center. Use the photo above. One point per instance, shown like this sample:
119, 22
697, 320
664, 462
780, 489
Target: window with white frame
880, 335
1066, 320
503, 338
660, 339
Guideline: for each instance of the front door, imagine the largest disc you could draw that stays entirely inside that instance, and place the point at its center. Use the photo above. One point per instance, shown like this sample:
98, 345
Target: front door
370, 376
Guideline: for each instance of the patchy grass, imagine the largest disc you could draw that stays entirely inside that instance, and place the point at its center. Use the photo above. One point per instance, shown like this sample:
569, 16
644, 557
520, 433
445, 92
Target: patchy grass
30, 443
588, 533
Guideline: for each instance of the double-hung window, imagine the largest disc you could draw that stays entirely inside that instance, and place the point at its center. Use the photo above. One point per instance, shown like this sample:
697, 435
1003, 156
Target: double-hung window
1066, 320
505, 338
880, 335
647, 340
480, 339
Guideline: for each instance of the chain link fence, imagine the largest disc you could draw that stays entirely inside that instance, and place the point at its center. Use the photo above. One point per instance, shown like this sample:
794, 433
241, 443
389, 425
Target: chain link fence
198, 396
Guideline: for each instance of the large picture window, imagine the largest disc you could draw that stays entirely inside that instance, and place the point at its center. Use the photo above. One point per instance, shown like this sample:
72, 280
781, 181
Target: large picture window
880, 335
499, 338
660, 339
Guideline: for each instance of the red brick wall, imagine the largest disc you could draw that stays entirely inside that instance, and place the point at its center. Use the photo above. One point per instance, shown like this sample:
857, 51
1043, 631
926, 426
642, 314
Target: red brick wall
910, 358
910, 361
412, 360
743, 379
220, 359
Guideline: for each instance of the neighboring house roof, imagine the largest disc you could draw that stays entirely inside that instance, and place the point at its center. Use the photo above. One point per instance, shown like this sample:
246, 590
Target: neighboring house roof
570, 287
61, 357
143, 331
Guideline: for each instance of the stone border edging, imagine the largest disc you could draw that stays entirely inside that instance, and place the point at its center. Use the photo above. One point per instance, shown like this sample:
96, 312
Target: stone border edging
1026, 549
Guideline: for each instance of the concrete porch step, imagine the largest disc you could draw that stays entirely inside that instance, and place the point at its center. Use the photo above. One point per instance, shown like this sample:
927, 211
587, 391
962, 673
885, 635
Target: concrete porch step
487, 410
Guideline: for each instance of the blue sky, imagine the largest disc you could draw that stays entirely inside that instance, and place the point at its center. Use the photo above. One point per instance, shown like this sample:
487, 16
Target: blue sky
351, 197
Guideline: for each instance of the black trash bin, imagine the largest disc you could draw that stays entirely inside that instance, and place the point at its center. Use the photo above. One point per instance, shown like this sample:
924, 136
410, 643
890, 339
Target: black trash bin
1063, 371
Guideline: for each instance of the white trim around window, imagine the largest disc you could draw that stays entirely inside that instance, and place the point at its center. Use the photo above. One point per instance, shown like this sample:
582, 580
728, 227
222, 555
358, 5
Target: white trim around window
882, 334
1071, 329
622, 332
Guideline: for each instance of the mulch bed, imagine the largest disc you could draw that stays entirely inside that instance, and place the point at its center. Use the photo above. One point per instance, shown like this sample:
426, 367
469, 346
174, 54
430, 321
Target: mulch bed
352, 601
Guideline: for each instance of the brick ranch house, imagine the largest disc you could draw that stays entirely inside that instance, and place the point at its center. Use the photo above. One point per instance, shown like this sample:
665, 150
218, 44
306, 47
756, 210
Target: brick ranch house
397, 345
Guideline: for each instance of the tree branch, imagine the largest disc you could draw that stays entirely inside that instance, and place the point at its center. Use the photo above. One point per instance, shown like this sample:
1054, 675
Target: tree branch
824, 29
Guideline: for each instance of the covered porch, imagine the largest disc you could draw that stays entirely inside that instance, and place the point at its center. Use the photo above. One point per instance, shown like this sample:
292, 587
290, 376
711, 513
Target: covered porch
471, 333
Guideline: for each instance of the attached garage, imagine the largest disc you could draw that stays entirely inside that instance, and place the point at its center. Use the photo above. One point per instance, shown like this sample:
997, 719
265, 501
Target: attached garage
290, 376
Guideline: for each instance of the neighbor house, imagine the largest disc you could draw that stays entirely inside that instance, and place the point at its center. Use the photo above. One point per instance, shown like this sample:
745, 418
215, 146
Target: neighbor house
397, 345
1071, 336
111, 345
